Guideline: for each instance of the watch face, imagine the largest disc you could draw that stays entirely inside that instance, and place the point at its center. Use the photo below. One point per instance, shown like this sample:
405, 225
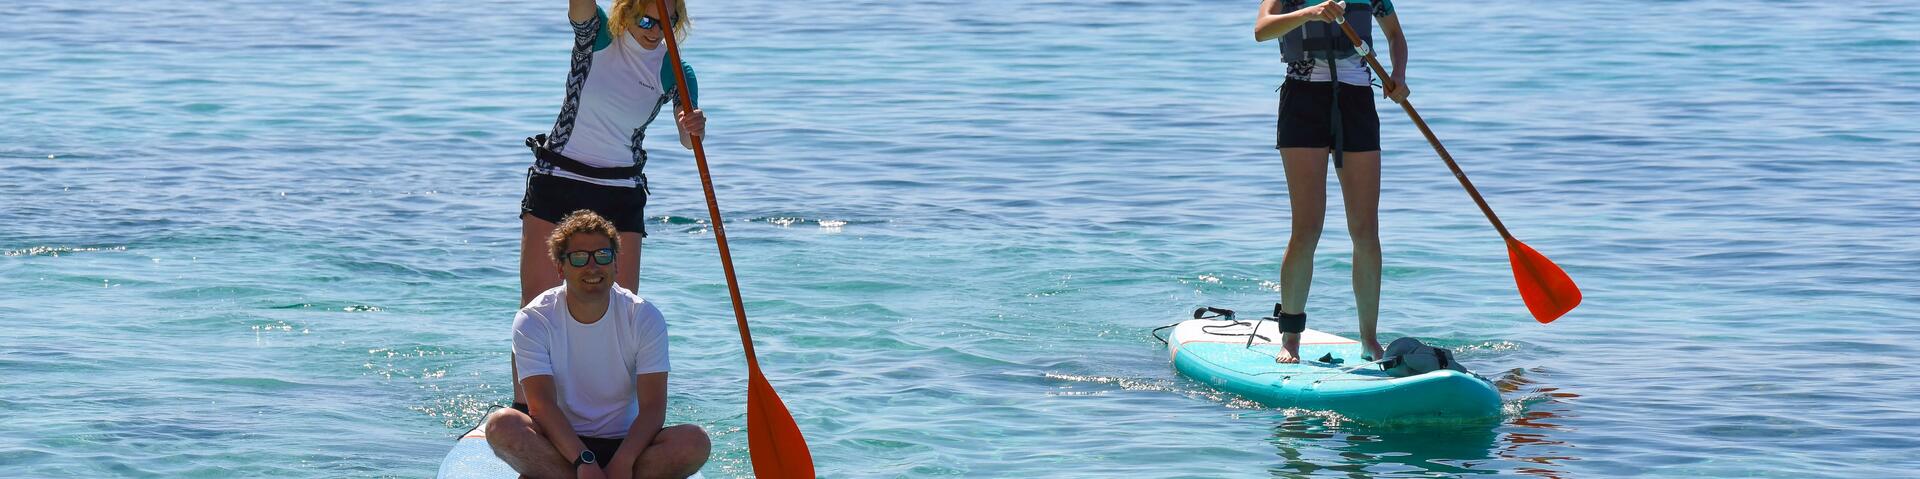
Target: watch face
586, 457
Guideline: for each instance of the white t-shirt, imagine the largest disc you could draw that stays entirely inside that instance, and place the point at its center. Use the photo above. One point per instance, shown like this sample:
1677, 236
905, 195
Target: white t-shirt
594, 366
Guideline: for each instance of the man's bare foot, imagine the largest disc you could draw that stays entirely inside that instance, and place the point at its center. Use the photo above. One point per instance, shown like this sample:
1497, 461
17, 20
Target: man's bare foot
1289, 349
1374, 351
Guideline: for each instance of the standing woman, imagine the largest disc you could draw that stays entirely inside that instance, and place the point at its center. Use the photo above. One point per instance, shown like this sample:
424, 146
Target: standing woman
1326, 109
593, 158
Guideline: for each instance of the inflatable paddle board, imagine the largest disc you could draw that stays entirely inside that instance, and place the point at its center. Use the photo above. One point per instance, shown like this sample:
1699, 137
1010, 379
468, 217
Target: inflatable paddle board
1332, 375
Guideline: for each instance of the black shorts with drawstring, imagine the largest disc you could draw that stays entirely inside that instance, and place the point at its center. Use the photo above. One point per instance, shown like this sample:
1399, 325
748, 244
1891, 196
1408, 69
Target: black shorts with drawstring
551, 198
1306, 116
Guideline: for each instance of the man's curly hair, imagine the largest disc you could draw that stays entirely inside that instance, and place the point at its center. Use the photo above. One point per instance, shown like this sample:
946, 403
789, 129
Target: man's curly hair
580, 221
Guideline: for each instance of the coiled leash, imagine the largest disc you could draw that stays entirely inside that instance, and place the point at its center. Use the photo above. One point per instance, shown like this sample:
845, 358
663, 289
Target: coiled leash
1288, 322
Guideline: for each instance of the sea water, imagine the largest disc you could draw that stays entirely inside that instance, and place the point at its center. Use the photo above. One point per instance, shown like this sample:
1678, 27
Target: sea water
279, 239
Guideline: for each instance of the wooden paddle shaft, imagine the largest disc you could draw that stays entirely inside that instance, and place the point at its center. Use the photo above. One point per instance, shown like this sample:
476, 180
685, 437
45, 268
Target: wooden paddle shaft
706, 184
1387, 81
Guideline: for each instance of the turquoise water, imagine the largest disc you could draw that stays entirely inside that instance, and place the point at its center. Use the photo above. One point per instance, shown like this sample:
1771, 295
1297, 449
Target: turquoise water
272, 239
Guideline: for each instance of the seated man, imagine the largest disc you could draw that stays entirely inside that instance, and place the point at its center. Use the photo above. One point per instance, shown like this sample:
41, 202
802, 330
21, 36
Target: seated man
593, 365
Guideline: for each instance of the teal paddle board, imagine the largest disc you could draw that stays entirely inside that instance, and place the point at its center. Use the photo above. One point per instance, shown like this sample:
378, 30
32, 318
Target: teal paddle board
1217, 352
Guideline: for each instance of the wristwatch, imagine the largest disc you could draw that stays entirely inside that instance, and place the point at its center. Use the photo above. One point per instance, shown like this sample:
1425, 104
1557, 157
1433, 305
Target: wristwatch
586, 457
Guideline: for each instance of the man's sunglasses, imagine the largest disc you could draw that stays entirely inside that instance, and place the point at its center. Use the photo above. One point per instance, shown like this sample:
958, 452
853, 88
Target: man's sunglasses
647, 22
602, 256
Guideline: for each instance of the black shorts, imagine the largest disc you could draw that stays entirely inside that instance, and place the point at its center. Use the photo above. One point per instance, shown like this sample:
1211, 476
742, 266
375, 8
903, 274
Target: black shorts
1306, 116
602, 447
551, 198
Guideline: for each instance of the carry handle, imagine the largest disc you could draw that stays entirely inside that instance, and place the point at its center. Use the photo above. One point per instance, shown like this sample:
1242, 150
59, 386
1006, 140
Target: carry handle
1201, 312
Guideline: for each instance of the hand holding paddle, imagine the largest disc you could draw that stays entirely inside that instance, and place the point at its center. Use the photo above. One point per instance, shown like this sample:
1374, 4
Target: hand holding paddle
1547, 290
774, 441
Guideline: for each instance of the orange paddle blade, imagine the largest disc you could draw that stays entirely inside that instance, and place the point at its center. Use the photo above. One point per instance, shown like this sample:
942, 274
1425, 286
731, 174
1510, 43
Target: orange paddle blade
779, 451
1548, 291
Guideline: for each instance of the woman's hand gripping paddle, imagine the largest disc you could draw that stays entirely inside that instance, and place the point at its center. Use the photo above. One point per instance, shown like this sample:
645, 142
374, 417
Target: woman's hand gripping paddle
774, 441
1547, 290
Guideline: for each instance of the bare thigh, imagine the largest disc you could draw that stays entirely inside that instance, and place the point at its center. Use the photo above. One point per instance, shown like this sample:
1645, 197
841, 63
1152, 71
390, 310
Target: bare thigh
678, 451
1360, 193
516, 440
1306, 170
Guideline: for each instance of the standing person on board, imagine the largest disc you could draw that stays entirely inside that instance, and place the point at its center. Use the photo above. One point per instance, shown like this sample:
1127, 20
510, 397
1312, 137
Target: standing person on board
593, 360
593, 158
1326, 108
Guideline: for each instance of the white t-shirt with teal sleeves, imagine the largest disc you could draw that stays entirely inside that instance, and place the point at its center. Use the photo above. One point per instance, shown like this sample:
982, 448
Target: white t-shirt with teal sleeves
615, 89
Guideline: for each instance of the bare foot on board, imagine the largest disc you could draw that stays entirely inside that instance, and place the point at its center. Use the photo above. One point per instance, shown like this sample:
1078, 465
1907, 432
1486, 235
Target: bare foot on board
1289, 349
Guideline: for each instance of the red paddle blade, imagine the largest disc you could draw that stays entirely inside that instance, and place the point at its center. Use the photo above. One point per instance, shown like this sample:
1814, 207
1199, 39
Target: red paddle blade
1548, 291
779, 451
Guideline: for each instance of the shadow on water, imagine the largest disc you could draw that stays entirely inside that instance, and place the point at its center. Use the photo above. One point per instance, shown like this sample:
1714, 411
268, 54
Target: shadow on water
1521, 442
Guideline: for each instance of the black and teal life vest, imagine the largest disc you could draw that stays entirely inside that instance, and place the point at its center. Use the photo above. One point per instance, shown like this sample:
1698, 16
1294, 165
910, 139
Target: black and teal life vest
1313, 39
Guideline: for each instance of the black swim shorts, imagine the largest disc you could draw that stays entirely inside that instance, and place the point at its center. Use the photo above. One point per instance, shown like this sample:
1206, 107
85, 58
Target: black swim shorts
1306, 116
551, 198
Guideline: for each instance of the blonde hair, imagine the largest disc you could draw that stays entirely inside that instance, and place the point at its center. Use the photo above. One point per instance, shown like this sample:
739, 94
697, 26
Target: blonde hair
627, 12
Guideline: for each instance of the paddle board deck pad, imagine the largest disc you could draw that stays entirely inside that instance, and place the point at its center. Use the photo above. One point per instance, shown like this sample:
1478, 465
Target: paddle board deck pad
472, 458
1216, 352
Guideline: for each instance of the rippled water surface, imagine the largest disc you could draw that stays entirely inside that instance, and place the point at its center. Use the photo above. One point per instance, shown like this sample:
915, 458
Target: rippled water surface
272, 239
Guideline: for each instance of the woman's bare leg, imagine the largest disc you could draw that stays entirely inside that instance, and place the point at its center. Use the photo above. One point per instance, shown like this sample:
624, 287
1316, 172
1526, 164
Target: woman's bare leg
1360, 191
1307, 195
628, 275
